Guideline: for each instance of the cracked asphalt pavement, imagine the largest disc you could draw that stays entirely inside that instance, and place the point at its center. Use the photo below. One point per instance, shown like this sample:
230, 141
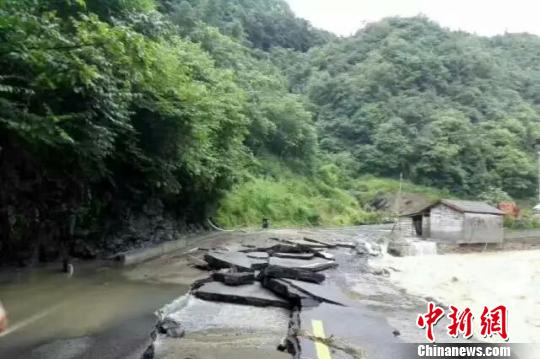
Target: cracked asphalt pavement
355, 312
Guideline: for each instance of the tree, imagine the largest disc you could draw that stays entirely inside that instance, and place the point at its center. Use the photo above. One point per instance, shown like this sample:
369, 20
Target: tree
448, 109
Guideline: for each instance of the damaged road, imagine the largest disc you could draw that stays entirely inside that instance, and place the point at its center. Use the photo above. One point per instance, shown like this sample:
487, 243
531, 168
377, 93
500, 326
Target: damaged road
289, 294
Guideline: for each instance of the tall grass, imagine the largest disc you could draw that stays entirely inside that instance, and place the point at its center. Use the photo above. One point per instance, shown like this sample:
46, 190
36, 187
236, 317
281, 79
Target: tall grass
367, 188
327, 198
297, 201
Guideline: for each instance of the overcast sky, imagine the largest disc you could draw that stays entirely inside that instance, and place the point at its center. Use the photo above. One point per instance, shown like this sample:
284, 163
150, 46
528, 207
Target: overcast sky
483, 17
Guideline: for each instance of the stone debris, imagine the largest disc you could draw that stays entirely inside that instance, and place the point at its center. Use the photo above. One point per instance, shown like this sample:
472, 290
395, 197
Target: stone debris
251, 294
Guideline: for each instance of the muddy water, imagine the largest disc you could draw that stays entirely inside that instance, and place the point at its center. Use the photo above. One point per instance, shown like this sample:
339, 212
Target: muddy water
475, 280
96, 313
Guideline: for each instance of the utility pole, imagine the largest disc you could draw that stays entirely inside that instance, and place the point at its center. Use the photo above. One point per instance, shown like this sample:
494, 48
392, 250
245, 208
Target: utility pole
397, 204
538, 152
536, 209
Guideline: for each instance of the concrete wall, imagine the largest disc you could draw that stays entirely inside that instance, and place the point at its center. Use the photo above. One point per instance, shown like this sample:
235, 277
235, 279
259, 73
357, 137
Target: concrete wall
446, 224
522, 234
406, 227
482, 228
136, 256
450, 226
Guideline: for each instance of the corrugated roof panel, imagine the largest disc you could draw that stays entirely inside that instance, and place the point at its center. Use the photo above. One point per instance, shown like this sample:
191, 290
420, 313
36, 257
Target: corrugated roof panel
471, 206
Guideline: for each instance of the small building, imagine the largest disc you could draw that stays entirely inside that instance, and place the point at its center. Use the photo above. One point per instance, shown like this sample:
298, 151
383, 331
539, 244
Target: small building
454, 222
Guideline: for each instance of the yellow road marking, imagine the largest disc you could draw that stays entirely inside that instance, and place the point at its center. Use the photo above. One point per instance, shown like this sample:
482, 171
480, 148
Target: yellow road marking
323, 352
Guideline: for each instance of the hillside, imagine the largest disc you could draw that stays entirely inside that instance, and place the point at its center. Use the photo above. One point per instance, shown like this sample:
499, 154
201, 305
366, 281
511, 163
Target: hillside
448, 109
239, 110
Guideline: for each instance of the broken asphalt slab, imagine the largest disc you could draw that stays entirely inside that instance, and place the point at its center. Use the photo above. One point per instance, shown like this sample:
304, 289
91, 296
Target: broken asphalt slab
252, 294
234, 278
314, 264
302, 243
216, 330
294, 255
233, 331
325, 255
219, 260
284, 289
279, 248
317, 243
293, 273
258, 255
290, 277
238, 260
328, 244
324, 292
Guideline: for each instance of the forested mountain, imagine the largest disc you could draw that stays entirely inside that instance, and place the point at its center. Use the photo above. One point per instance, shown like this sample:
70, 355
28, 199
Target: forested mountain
448, 109
262, 24
239, 108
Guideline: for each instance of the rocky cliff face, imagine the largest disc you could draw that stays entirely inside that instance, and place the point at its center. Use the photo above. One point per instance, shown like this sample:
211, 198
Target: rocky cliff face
150, 225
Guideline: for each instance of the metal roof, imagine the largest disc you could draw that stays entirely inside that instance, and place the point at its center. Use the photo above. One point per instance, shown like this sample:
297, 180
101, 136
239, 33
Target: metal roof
461, 206
471, 206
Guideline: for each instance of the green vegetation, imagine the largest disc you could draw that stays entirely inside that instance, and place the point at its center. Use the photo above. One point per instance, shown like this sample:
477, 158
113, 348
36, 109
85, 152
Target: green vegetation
368, 188
261, 24
448, 109
238, 110
289, 199
525, 221
107, 108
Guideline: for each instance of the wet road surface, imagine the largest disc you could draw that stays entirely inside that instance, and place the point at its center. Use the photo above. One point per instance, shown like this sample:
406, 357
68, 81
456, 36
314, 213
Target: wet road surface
97, 313
108, 312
